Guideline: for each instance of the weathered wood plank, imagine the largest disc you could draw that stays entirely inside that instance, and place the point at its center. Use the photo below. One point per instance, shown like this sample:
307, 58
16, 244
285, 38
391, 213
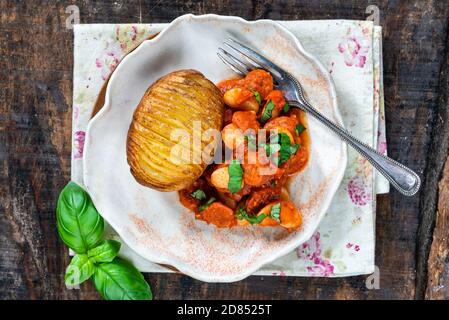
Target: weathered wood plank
433, 234
36, 81
439, 148
438, 268
35, 126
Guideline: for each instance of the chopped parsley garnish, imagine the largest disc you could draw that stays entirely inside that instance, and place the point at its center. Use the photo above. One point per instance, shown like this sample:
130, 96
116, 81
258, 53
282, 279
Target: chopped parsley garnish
275, 212
243, 215
235, 176
205, 205
198, 194
299, 128
267, 111
286, 107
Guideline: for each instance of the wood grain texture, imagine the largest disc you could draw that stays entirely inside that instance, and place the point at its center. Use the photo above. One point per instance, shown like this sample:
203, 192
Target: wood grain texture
438, 268
434, 231
430, 201
35, 127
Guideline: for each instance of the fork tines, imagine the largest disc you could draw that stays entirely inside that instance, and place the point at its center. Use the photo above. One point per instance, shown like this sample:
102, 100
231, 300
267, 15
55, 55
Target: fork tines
233, 62
248, 59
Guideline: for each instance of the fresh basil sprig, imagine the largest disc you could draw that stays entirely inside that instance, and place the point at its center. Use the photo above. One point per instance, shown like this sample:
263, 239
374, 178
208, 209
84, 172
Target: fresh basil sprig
81, 228
79, 224
79, 270
120, 280
106, 251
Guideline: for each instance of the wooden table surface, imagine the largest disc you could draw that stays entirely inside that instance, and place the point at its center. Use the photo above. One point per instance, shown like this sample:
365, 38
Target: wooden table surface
36, 62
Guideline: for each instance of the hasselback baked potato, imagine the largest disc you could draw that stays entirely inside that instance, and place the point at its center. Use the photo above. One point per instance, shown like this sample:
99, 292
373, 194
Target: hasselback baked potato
174, 102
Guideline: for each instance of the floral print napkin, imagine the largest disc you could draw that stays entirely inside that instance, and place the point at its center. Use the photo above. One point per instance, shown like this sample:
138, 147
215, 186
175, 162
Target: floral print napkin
344, 243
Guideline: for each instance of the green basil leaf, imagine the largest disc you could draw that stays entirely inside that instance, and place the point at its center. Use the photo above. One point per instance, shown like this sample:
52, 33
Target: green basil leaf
79, 270
254, 145
285, 150
120, 280
286, 107
272, 148
294, 148
205, 205
268, 149
284, 138
299, 128
106, 251
243, 215
256, 219
79, 224
235, 176
252, 142
275, 212
267, 112
258, 97
281, 143
198, 194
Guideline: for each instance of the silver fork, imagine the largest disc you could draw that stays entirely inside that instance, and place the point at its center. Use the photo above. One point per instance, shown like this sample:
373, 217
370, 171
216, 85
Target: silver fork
241, 59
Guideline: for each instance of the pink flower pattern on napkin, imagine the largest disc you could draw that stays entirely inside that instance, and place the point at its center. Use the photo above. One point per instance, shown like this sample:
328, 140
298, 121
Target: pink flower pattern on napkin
109, 59
76, 112
79, 137
129, 37
360, 186
126, 39
353, 246
358, 191
382, 148
311, 250
355, 47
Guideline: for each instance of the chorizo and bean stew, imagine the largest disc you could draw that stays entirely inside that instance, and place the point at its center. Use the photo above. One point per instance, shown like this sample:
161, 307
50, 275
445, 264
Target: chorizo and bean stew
268, 143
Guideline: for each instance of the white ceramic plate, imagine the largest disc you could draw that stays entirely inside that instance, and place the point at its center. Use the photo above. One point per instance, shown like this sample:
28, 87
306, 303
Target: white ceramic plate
155, 224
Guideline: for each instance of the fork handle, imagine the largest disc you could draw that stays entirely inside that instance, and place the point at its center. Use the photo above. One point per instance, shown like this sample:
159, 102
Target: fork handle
402, 178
